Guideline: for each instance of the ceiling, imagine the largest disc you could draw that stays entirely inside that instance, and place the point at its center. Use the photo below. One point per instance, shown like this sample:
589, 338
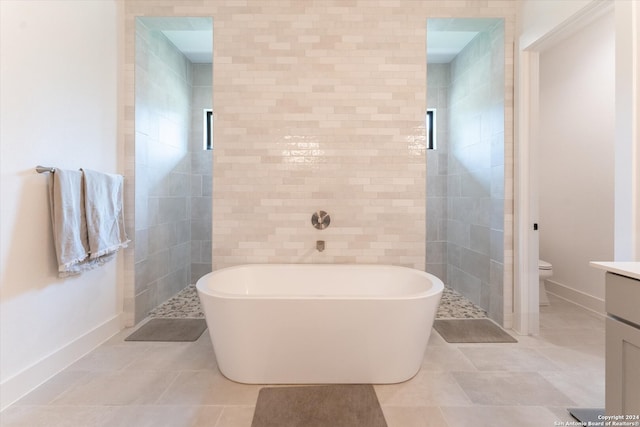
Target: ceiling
196, 45
192, 36
446, 37
443, 46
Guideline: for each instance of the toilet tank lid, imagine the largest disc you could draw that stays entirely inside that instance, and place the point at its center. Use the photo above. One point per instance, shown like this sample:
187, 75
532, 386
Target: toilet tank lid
544, 265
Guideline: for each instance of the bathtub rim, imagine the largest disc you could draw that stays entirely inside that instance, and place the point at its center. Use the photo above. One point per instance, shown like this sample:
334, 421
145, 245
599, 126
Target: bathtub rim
436, 285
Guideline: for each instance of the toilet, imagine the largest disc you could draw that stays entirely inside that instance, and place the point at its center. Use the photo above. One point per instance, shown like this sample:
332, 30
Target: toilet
545, 271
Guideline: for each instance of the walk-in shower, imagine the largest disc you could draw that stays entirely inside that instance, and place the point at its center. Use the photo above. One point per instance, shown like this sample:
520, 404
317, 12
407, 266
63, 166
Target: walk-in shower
466, 170
173, 168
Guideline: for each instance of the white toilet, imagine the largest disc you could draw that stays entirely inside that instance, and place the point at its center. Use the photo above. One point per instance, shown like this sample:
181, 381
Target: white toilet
545, 271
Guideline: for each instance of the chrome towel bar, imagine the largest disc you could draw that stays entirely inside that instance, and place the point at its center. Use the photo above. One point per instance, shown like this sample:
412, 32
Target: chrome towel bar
45, 169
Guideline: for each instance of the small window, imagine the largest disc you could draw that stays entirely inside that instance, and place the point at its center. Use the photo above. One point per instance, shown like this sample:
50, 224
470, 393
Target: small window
430, 120
207, 130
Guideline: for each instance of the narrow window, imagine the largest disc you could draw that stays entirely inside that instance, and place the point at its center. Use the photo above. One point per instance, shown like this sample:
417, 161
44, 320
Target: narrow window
431, 129
207, 129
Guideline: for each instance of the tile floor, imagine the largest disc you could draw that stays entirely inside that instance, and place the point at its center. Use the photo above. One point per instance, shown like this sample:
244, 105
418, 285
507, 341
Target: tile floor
142, 384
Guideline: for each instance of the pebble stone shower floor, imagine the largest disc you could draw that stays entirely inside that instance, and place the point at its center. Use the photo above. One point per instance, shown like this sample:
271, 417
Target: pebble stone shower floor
186, 304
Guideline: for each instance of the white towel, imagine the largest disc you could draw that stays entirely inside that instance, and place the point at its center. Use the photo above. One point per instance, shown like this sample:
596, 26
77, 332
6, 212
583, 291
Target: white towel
83, 218
68, 220
105, 214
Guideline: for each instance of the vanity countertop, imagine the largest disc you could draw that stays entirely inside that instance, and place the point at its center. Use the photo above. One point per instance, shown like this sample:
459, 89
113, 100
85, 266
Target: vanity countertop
629, 269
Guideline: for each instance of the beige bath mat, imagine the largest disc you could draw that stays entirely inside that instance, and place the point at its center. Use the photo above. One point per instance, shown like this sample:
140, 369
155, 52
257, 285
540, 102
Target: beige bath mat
471, 330
169, 330
318, 406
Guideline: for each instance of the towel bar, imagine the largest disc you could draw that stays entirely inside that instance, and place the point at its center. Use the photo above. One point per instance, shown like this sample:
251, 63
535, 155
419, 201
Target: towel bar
45, 169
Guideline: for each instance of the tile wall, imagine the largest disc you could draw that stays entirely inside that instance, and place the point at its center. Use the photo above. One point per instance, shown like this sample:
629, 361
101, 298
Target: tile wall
319, 111
318, 105
475, 171
162, 170
438, 99
201, 174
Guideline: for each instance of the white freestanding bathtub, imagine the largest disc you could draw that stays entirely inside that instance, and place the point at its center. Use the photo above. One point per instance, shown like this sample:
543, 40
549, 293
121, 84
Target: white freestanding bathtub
319, 323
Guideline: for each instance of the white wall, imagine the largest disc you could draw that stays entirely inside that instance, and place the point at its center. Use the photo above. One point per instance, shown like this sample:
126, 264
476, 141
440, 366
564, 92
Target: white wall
576, 155
627, 219
59, 106
539, 17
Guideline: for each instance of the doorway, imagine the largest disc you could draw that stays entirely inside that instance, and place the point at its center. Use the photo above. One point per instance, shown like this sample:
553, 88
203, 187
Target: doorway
541, 203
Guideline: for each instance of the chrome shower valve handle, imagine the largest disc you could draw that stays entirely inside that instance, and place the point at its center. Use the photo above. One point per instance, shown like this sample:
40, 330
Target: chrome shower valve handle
320, 220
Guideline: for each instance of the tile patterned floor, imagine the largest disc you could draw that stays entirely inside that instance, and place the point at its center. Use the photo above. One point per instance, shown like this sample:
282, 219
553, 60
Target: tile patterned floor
186, 304
530, 383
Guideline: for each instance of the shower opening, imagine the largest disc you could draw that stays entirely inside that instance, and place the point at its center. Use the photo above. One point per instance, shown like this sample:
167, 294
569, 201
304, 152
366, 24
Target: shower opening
466, 170
173, 171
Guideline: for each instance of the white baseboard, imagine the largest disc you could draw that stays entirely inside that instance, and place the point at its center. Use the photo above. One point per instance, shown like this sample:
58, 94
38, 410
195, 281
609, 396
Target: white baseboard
577, 297
28, 379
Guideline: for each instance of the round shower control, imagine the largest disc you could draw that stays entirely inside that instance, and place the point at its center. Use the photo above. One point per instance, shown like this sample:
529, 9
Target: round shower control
320, 220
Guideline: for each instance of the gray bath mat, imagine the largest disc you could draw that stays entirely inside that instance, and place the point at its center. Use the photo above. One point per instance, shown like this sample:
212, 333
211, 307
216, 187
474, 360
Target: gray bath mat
471, 330
318, 406
169, 330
